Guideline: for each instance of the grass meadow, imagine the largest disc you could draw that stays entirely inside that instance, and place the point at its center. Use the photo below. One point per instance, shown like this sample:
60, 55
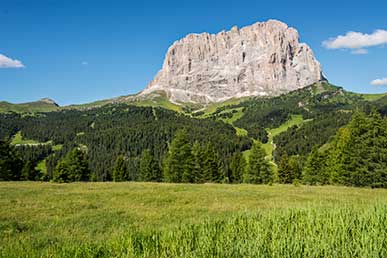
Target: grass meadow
182, 220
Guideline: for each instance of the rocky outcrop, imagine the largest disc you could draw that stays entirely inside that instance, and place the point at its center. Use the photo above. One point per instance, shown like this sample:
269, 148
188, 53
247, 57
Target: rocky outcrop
264, 59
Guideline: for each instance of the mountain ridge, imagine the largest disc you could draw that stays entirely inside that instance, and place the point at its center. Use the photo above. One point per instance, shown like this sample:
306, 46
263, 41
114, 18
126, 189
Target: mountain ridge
263, 59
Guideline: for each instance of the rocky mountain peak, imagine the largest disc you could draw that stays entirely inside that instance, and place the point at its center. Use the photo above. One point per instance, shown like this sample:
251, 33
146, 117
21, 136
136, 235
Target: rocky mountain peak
264, 59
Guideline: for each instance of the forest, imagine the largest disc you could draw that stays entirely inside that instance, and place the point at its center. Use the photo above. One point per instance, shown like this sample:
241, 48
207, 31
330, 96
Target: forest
343, 141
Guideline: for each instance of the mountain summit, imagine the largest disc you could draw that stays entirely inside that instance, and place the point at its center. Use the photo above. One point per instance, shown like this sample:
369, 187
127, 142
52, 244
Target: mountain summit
264, 59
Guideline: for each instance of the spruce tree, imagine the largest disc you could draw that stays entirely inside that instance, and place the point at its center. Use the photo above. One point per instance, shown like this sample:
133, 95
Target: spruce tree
73, 167
178, 165
358, 156
259, 170
149, 168
29, 171
211, 165
198, 157
315, 171
120, 169
289, 169
10, 162
284, 170
237, 168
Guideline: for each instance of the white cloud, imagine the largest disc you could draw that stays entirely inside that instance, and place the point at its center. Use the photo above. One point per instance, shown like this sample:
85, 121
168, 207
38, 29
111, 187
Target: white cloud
360, 51
6, 62
379, 82
357, 41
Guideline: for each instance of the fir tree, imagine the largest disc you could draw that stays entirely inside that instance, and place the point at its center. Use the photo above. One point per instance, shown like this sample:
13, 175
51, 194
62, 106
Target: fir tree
10, 162
198, 157
289, 169
73, 167
120, 170
211, 165
259, 170
315, 171
29, 171
179, 159
237, 168
149, 168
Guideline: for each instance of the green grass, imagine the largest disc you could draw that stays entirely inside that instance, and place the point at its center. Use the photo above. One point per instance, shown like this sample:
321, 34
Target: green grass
294, 120
211, 108
372, 97
158, 102
41, 166
177, 220
18, 139
269, 146
57, 147
38, 106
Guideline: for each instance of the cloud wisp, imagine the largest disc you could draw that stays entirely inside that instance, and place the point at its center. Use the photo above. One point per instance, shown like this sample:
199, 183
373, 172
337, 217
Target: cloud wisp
357, 41
379, 82
6, 62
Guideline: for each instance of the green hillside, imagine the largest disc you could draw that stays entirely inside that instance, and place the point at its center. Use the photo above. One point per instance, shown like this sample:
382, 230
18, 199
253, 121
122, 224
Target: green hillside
31, 107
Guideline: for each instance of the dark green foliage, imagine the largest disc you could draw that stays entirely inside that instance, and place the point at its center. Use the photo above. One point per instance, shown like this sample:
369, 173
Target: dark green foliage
11, 163
315, 171
300, 140
198, 162
310, 101
29, 171
149, 168
358, 156
34, 153
259, 170
289, 169
112, 130
179, 165
120, 170
211, 167
73, 167
237, 168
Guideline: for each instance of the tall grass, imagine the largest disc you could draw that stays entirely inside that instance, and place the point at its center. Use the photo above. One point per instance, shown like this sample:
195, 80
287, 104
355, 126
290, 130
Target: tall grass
313, 232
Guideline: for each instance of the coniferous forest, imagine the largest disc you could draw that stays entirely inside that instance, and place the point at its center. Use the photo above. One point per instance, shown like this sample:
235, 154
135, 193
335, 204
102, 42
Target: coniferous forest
342, 140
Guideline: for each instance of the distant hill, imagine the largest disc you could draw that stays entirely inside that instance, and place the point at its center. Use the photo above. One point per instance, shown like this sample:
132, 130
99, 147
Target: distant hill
43, 105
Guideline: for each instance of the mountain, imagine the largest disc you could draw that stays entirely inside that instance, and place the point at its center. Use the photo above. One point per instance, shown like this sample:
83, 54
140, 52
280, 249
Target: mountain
264, 59
42, 105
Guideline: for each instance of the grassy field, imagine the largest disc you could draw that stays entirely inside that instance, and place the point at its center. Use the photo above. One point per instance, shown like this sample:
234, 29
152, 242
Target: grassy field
172, 220
18, 139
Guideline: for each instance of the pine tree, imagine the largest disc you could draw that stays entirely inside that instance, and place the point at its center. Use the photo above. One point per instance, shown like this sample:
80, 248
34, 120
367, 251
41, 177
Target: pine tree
29, 171
179, 159
289, 169
211, 165
284, 170
237, 168
315, 171
73, 167
198, 157
10, 162
359, 153
62, 172
149, 168
259, 170
120, 170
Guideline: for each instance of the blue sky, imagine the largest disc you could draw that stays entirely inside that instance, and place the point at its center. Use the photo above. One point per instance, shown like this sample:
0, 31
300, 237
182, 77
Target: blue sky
80, 51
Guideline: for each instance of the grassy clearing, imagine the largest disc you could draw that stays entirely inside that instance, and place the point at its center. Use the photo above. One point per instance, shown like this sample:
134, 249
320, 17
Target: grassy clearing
158, 102
18, 139
269, 146
373, 97
32, 107
172, 220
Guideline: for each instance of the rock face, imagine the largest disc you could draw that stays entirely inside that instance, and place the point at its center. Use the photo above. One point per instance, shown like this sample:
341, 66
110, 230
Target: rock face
264, 59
